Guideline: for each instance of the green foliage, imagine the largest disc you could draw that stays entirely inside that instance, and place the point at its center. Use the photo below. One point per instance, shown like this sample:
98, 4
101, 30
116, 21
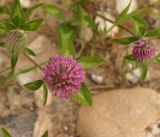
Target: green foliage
89, 62
144, 70
66, 34
4, 133
34, 85
14, 60
82, 2
129, 58
126, 41
16, 14
45, 94
45, 134
53, 10
153, 33
156, 59
122, 15
83, 96
4, 9
29, 52
89, 21
7, 26
32, 25
139, 25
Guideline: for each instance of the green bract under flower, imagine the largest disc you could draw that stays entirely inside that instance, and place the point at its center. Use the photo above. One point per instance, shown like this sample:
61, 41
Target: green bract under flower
15, 42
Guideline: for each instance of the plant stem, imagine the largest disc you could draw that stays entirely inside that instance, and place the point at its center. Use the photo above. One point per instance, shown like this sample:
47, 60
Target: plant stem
35, 63
120, 26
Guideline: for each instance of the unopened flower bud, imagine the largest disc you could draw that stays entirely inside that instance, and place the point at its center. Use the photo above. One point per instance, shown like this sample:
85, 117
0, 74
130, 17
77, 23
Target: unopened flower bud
143, 50
15, 42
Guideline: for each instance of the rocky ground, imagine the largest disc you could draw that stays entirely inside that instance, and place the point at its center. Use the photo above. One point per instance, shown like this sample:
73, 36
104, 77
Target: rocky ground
23, 114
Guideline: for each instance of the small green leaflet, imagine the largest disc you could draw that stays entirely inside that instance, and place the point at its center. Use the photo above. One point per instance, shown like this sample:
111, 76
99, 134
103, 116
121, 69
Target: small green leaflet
122, 15
45, 134
34, 85
89, 21
16, 14
89, 62
138, 12
139, 25
83, 96
144, 70
153, 33
14, 60
82, 2
32, 25
3, 9
29, 52
53, 10
156, 59
127, 40
66, 35
7, 26
4, 133
45, 94
129, 57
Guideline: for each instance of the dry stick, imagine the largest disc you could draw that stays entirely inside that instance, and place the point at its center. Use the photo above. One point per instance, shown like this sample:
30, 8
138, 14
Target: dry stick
30, 59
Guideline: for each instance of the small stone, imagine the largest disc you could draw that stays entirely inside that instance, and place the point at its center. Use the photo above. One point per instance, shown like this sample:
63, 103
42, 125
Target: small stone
104, 25
87, 34
134, 75
25, 3
119, 113
121, 4
65, 128
97, 78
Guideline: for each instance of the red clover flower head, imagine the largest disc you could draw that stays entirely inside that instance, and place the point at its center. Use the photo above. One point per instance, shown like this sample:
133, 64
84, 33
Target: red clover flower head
143, 50
63, 75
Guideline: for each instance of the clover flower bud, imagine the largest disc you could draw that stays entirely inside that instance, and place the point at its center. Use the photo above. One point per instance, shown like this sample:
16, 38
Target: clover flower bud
15, 42
143, 50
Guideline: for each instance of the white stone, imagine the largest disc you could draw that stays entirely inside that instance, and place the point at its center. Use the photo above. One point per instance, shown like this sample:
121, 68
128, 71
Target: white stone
97, 78
121, 4
134, 75
104, 25
25, 3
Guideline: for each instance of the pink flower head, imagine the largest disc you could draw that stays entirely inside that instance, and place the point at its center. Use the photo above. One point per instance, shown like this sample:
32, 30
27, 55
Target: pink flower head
63, 75
143, 50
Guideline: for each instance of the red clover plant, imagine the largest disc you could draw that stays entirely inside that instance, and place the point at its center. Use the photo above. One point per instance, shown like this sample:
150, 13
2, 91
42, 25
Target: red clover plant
64, 74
